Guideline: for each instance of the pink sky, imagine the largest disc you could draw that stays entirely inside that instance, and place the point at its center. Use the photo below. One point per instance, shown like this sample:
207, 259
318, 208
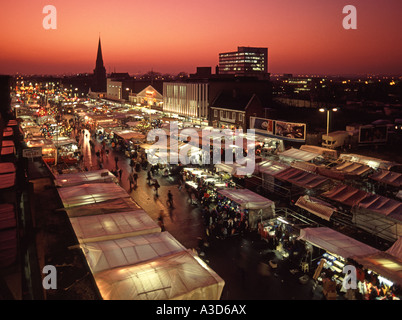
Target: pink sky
179, 35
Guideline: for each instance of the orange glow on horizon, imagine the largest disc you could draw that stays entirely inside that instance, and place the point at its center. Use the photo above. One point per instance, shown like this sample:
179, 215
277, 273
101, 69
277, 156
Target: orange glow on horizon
179, 35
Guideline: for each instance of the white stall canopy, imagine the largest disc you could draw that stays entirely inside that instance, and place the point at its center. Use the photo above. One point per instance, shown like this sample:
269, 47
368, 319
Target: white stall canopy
180, 276
113, 226
74, 179
335, 242
90, 193
297, 154
247, 199
271, 167
109, 206
104, 255
129, 134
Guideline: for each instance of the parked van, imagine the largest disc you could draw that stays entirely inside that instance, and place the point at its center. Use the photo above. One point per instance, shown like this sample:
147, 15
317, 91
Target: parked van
336, 139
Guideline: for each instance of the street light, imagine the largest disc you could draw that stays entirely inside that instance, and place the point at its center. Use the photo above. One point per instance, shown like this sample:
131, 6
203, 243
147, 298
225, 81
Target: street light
328, 112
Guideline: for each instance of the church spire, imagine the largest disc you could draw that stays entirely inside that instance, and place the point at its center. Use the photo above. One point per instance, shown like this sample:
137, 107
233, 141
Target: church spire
99, 58
99, 80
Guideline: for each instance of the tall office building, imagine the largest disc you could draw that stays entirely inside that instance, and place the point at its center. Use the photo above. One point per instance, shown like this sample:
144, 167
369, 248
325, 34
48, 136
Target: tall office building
246, 61
99, 79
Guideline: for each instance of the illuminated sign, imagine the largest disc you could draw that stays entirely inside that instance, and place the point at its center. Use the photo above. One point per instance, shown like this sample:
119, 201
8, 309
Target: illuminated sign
279, 129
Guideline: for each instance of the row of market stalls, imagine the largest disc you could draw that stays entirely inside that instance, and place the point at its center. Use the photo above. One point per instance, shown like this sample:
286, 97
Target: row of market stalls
8, 199
323, 181
128, 255
383, 269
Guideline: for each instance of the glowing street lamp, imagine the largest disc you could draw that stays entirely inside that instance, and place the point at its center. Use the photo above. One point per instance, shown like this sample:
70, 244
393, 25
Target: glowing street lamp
328, 112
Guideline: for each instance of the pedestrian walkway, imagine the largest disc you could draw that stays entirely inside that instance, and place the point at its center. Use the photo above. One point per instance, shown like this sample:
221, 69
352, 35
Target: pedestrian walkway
242, 261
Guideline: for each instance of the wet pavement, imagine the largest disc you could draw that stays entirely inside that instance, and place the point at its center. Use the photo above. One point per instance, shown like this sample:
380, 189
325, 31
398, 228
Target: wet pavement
241, 260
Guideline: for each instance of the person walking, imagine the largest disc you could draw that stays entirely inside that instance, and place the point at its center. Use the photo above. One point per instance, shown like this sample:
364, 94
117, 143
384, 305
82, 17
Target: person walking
135, 178
120, 171
156, 187
160, 221
131, 180
116, 160
170, 199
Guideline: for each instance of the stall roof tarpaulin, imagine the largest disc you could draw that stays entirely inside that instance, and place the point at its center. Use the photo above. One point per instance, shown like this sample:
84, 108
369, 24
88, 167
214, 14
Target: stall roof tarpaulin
351, 168
369, 161
316, 206
8, 247
396, 249
7, 216
74, 179
109, 206
104, 255
384, 264
271, 167
113, 226
382, 205
298, 154
181, 276
7, 175
302, 178
345, 194
129, 134
90, 193
388, 177
335, 242
247, 199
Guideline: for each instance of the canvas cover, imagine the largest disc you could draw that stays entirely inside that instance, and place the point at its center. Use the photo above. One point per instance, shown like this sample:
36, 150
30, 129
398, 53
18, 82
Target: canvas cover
90, 193
271, 167
302, 178
396, 249
297, 154
113, 226
109, 206
316, 206
104, 255
247, 199
7, 216
74, 179
335, 242
345, 194
387, 177
351, 168
180, 276
384, 264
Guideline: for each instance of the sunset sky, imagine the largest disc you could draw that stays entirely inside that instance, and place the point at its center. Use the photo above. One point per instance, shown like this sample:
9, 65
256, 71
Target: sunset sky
171, 36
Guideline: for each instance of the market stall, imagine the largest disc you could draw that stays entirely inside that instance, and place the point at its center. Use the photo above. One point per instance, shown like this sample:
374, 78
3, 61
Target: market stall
67, 150
373, 163
316, 206
179, 276
297, 154
386, 177
341, 250
111, 226
75, 179
49, 150
7, 175
90, 194
104, 207
251, 205
380, 216
105, 255
303, 179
